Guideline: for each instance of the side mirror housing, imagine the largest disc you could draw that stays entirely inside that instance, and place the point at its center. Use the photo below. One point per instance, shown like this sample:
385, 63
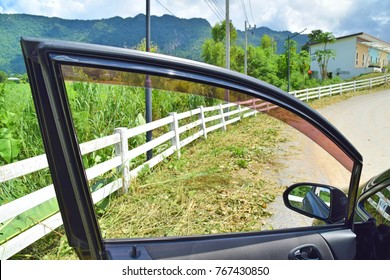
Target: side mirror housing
325, 203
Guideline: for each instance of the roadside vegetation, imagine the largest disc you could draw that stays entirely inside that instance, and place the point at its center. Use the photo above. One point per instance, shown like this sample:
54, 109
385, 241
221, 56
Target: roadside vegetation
266, 64
323, 102
98, 109
182, 196
218, 185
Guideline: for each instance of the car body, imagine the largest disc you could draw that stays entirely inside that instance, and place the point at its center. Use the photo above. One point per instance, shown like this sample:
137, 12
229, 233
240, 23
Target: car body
50, 64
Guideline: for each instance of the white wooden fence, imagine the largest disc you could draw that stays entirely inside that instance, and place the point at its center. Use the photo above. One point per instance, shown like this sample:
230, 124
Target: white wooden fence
214, 116
318, 92
208, 119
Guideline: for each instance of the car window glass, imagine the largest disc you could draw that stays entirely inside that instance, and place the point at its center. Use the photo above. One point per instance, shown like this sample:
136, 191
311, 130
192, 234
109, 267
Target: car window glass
378, 206
234, 156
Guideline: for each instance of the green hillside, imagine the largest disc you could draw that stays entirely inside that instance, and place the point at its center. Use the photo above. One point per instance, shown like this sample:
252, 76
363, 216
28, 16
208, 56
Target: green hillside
174, 36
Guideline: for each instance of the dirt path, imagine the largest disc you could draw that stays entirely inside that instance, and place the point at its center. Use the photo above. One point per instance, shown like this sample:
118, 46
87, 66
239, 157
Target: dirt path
365, 121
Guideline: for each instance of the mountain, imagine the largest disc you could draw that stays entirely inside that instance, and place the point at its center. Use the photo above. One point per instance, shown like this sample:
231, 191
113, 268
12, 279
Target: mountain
173, 36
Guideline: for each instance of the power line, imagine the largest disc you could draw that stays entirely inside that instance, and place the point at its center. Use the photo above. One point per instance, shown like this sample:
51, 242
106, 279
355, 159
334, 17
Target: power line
214, 10
244, 8
218, 6
165, 8
250, 8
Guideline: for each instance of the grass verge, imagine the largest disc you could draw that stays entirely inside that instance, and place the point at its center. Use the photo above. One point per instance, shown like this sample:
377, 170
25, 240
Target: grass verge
218, 185
221, 184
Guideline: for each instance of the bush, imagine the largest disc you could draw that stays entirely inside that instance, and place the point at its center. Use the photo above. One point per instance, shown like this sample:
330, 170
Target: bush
3, 77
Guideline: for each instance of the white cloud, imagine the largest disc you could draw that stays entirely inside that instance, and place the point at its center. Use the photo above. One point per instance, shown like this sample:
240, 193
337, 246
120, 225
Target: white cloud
381, 18
337, 16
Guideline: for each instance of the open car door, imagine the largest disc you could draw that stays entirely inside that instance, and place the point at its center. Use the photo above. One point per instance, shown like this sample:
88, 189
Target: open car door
59, 70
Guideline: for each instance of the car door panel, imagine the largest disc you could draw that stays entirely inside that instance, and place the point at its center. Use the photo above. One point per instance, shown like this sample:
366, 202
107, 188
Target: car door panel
337, 244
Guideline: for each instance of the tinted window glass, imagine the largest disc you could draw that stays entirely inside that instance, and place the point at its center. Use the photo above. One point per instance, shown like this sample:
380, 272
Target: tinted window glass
221, 158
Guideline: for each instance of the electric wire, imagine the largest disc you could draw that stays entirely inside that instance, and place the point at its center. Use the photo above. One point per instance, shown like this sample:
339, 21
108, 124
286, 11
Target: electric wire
165, 8
214, 10
218, 6
250, 8
244, 8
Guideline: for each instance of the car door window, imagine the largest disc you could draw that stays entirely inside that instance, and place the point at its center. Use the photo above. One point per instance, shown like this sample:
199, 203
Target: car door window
223, 148
236, 154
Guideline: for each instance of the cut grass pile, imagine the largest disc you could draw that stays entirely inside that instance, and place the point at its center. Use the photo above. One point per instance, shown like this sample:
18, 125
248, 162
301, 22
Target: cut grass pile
219, 185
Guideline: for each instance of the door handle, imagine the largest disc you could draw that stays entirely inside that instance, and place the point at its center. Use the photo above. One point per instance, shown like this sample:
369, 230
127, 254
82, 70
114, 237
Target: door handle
305, 252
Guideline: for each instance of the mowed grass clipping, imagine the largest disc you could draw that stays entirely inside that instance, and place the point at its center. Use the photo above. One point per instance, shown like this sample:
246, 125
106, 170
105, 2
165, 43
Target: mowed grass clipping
218, 185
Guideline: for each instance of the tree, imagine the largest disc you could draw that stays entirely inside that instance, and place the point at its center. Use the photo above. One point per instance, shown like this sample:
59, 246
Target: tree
142, 46
213, 50
315, 36
322, 56
263, 61
3, 77
268, 44
218, 33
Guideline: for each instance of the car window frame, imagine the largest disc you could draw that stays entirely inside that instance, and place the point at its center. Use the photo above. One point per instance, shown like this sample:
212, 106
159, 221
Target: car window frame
44, 59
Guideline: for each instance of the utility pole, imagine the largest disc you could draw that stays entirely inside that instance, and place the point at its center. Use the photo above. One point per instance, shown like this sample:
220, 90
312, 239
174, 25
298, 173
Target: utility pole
148, 84
246, 46
288, 58
227, 36
227, 46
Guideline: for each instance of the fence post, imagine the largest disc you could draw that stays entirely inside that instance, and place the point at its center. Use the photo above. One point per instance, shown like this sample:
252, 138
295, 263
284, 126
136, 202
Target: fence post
319, 93
254, 105
122, 150
203, 122
307, 95
330, 90
175, 129
354, 86
222, 117
239, 111
370, 83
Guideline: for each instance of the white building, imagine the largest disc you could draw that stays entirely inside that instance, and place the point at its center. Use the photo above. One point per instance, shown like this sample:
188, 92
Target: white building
356, 54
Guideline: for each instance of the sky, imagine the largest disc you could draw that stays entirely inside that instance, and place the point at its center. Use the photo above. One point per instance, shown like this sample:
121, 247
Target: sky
341, 17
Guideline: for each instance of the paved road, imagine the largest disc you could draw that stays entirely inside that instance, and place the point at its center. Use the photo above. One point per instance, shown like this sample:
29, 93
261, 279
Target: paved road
365, 121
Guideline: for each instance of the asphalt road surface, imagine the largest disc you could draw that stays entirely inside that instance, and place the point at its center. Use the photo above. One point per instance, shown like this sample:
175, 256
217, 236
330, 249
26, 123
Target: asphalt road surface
365, 121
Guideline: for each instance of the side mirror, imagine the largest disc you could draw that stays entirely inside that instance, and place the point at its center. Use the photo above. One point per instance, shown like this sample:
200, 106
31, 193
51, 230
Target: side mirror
322, 202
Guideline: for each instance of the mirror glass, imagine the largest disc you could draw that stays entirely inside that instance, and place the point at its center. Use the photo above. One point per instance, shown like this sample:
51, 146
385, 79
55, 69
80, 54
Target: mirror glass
313, 200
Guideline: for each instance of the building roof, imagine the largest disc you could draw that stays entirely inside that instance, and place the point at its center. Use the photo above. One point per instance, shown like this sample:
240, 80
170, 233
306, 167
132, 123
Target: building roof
373, 42
368, 40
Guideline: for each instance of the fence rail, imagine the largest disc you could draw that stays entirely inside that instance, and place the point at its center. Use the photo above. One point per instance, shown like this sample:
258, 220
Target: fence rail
319, 92
208, 119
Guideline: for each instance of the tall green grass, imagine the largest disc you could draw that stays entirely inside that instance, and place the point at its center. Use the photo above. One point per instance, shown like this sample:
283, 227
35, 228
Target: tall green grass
216, 186
97, 109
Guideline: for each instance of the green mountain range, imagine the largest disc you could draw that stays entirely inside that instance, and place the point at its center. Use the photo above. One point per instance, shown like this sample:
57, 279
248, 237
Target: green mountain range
173, 36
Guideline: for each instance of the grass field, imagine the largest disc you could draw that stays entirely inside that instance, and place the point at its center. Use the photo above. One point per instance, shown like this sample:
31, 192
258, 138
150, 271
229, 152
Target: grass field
219, 185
